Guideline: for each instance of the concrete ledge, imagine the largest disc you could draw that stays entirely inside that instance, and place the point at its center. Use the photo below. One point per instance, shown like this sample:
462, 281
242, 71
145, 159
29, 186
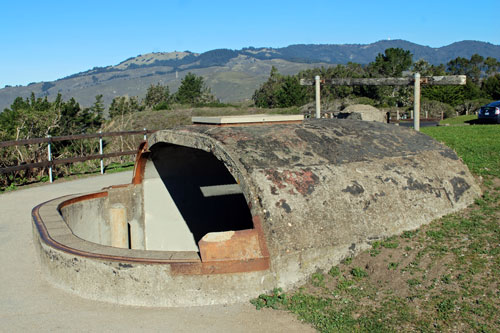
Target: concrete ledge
216, 190
248, 119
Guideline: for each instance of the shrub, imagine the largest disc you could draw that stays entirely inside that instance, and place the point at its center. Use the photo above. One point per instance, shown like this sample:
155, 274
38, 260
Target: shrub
471, 106
435, 108
358, 272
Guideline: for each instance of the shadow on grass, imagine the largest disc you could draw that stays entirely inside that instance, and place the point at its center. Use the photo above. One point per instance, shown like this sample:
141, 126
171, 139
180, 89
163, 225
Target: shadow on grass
480, 122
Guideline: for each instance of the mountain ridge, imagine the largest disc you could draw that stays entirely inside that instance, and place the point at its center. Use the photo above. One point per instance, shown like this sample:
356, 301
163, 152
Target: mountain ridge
232, 74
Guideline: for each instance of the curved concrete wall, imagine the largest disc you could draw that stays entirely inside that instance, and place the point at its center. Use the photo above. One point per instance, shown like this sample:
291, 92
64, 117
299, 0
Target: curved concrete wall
333, 186
88, 216
88, 220
317, 192
147, 278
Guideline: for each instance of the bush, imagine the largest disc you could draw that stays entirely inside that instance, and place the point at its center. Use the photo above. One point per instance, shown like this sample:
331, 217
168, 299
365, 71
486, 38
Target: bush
157, 97
165, 105
122, 105
193, 90
365, 101
471, 106
435, 108
358, 272
215, 105
491, 86
280, 92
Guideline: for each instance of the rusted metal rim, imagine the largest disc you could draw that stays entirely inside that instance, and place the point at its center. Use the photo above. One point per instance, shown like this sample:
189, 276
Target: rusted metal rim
45, 237
178, 266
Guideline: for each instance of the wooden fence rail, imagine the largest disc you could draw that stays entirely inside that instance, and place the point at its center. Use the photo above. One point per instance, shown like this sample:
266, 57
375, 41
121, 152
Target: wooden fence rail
52, 162
4, 144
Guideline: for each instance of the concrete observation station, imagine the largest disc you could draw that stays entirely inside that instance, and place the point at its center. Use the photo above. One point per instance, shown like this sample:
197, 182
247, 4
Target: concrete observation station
225, 209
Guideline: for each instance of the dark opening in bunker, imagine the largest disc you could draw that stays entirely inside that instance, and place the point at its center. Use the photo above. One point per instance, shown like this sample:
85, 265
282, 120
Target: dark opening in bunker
204, 191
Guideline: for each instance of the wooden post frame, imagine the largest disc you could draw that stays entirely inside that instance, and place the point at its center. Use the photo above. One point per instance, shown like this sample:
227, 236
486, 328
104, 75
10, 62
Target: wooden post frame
318, 95
449, 80
416, 102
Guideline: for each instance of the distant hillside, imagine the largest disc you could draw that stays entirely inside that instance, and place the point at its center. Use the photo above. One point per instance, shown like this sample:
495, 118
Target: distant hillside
232, 74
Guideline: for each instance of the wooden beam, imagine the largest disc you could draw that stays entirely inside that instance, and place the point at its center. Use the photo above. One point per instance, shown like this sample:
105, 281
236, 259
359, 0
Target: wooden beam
4, 144
64, 161
390, 81
452, 80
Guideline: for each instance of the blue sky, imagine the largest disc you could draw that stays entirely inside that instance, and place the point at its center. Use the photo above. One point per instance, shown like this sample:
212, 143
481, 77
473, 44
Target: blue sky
47, 40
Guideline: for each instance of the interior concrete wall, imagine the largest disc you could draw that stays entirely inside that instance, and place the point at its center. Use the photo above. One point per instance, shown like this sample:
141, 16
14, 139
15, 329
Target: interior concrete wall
132, 198
183, 172
165, 228
87, 219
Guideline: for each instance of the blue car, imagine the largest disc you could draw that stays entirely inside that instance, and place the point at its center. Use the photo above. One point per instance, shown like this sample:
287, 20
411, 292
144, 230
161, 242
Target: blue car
490, 113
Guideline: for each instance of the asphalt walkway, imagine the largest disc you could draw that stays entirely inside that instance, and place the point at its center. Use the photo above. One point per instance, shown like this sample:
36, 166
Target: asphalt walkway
29, 303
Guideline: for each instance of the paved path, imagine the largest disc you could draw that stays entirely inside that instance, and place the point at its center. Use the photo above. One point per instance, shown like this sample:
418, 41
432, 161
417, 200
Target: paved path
28, 303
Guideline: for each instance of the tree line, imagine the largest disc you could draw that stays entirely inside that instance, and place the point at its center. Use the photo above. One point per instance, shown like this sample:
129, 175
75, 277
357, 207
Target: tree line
483, 82
39, 117
34, 117
192, 91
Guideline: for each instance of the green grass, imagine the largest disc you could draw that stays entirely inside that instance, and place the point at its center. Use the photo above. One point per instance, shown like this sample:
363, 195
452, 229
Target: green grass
119, 167
458, 120
478, 146
444, 276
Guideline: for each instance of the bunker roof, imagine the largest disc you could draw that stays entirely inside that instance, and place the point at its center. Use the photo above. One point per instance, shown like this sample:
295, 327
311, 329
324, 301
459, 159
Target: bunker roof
313, 142
326, 181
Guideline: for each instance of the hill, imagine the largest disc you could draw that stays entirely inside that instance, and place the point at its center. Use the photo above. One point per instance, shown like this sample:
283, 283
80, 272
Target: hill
233, 75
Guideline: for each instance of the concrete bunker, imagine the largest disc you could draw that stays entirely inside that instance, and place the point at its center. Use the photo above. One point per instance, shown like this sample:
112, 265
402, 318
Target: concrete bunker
219, 214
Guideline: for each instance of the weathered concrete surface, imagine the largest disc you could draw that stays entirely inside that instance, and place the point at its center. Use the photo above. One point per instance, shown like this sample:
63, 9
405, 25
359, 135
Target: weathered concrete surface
28, 303
132, 278
362, 112
165, 229
248, 119
326, 188
87, 221
90, 219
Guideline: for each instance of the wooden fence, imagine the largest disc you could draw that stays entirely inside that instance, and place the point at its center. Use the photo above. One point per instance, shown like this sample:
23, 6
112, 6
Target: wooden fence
416, 81
50, 162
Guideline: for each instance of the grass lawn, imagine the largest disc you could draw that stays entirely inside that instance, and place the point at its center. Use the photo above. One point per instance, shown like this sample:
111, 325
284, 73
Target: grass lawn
444, 276
458, 120
478, 145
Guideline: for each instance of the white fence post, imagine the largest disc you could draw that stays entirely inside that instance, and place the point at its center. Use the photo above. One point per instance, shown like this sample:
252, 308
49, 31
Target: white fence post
416, 103
318, 93
145, 136
49, 153
100, 152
